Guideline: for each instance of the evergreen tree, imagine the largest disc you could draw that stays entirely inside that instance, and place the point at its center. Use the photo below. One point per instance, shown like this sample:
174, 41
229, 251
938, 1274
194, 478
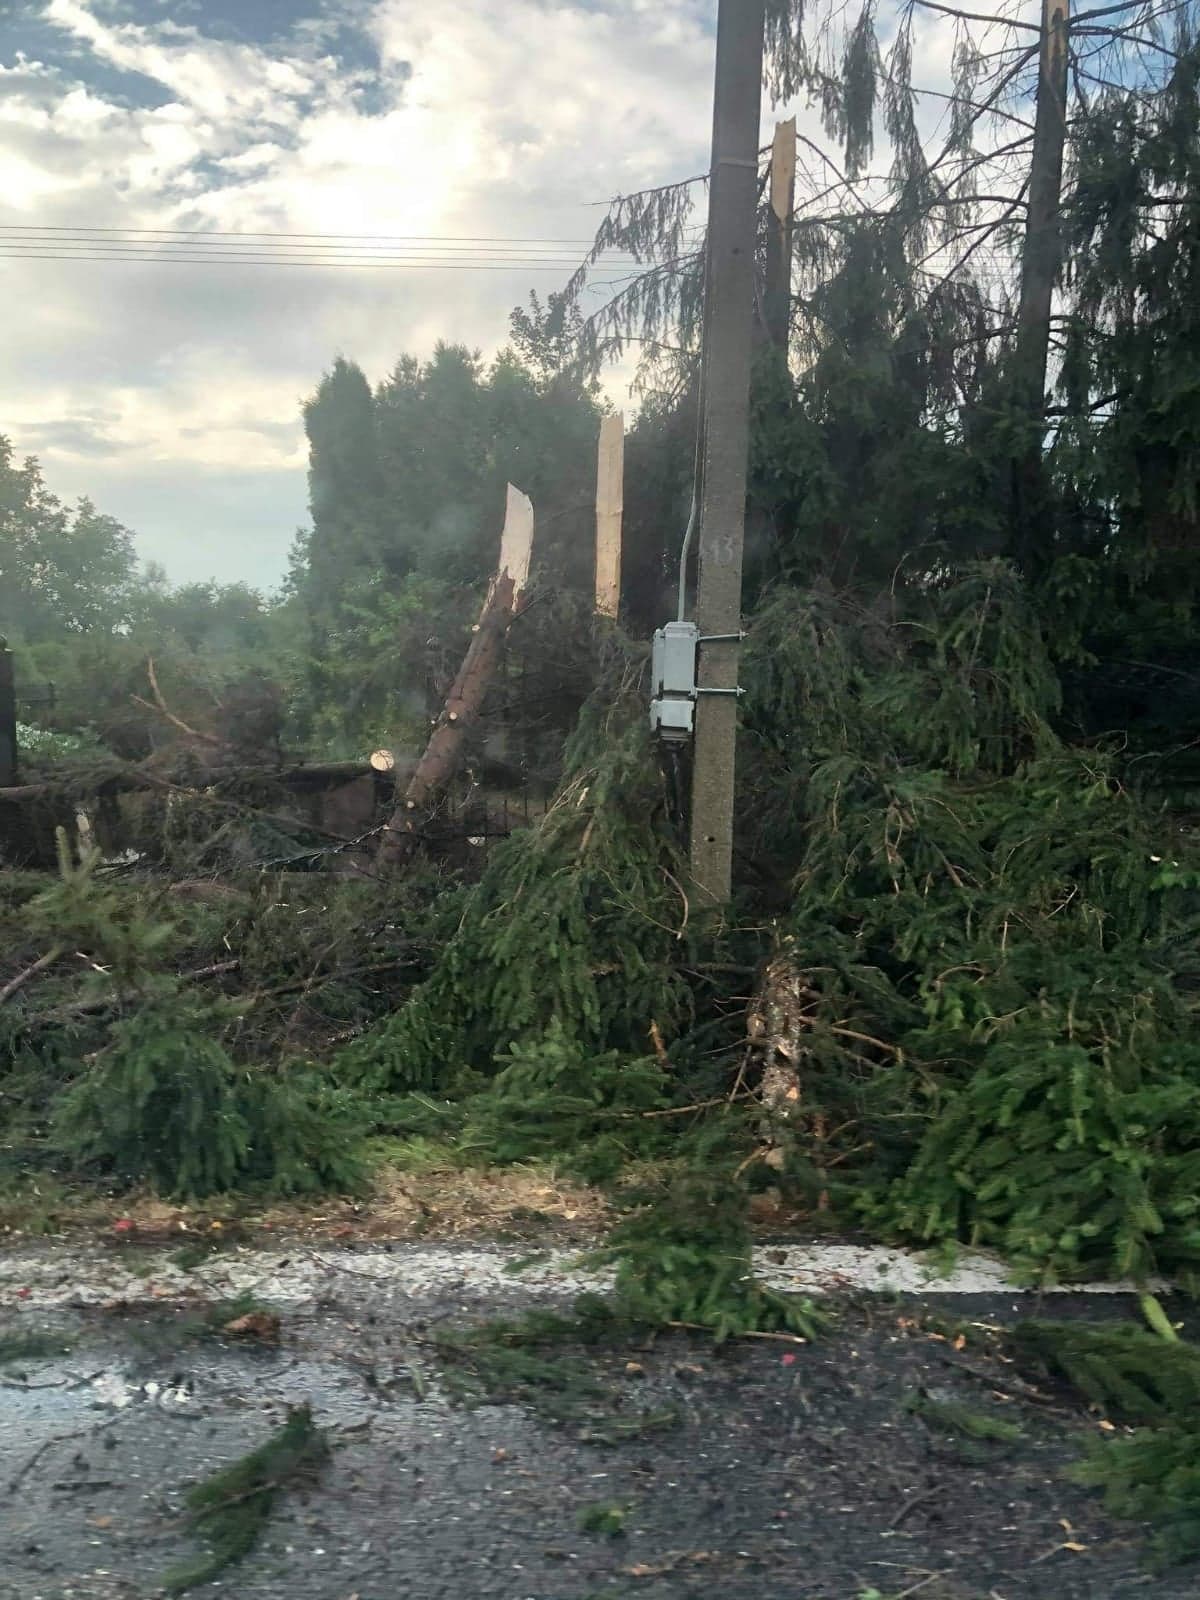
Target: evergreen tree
348, 541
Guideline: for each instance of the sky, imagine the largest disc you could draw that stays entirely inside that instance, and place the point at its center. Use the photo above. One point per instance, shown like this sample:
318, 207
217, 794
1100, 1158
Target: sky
171, 393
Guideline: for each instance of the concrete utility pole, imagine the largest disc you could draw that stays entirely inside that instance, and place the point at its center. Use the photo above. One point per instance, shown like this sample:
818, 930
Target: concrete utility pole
728, 330
1040, 259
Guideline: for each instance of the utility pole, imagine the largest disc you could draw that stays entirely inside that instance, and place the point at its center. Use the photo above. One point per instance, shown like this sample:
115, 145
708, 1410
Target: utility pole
777, 289
1040, 260
728, 330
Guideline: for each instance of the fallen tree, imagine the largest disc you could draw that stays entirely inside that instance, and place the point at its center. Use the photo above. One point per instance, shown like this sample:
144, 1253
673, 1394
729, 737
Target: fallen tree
975, 1020
443, 753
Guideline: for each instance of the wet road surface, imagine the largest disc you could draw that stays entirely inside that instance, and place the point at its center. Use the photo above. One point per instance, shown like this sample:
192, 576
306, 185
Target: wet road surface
794, 1472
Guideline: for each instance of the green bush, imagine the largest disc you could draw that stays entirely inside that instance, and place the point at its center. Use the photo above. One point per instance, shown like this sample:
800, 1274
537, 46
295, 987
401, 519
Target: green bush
164, 1103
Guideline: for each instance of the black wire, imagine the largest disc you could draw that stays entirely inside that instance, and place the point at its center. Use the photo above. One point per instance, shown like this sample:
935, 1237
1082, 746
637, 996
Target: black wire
215, 233
7, 254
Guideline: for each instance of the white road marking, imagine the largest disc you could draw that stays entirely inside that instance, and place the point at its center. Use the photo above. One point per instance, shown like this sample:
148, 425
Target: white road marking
296, 1275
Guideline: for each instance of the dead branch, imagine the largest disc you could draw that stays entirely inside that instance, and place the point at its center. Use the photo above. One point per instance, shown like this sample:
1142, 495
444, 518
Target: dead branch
161, 706
746, 1333
217, 969
31, 971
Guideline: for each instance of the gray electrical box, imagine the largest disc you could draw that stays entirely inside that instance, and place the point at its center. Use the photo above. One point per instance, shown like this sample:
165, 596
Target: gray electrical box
673, 680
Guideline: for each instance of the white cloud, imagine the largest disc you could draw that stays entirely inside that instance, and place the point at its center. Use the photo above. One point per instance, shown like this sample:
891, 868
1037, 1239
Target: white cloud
499, 117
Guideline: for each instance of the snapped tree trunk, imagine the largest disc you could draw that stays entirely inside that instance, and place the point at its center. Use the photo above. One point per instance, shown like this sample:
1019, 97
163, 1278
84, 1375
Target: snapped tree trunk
610, 478
443, 753
777, 284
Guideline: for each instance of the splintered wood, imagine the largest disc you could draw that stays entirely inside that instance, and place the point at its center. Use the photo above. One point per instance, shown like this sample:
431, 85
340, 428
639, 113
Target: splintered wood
610, 499
775, 1025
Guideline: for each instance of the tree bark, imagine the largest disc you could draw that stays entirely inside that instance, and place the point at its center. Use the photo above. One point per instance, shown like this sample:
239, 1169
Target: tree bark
610, 471
444, 750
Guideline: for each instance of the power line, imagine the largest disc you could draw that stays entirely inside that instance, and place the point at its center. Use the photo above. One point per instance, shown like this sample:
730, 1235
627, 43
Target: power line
59, 242
243, 252
215, 233
287, 252
327, 264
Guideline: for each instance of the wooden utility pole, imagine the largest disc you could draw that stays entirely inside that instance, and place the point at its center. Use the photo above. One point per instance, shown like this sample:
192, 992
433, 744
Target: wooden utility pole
8, 717
610, 501
777, 303
728, 330
1040, 261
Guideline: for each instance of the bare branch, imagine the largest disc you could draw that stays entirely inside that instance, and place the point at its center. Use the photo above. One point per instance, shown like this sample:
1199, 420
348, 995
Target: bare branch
160, 705
975, 16
31, 971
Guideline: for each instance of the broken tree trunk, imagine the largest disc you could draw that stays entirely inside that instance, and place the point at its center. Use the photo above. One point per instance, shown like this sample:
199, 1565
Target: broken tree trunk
610, 474
444, 750
777, 287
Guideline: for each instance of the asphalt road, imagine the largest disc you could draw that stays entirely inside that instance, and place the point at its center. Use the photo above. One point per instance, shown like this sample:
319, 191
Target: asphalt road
793, 1472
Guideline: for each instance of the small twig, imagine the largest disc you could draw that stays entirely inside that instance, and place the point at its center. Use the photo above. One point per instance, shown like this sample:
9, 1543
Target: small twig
923, 1584
866, 1038
14, 1483
18, 1477
355, 1272
31, 971
740, 1079
1018, 1388
911, 1505
196, 1519
671, 878
747, 1333
682, 1111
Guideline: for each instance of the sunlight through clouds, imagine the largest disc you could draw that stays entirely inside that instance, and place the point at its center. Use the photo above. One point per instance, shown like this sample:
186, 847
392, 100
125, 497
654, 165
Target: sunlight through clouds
399, 117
